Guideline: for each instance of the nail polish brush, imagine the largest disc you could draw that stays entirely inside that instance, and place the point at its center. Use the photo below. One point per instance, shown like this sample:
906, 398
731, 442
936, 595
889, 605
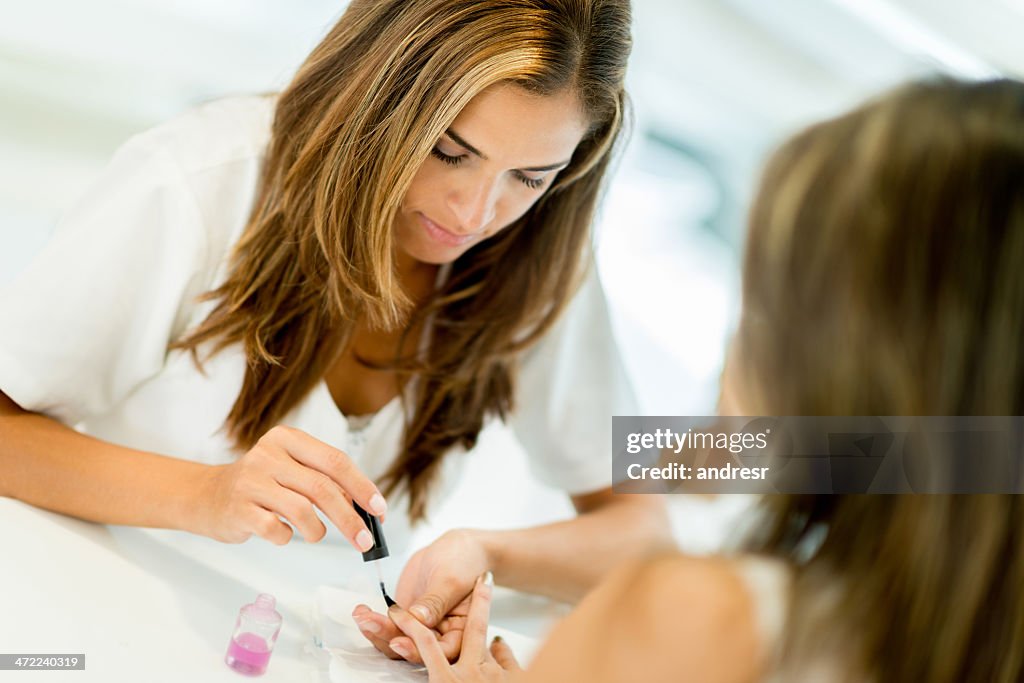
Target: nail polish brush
379, 549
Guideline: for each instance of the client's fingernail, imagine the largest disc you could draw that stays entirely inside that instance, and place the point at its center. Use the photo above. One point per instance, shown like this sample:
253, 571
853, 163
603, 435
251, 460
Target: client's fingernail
378, 505
364, 540
498, 639
488, 579
368, 626
400, 649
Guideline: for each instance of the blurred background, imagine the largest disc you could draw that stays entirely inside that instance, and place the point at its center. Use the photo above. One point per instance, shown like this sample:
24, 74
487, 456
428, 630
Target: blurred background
715, 85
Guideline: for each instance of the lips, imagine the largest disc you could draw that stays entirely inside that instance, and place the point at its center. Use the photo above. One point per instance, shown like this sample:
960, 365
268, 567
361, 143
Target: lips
441, 235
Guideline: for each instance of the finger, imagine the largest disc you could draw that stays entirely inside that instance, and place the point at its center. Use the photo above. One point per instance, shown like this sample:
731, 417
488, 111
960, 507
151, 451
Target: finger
461, 609
452, 622
451, 644
383, 634
321, 490
377, 624
328, 460
325, 493
426, 642
474, 639
296, 509
503, 655
443, 593
269, 526
406, 649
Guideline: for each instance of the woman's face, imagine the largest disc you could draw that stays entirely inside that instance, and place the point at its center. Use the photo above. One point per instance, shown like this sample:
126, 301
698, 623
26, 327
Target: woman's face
499, 156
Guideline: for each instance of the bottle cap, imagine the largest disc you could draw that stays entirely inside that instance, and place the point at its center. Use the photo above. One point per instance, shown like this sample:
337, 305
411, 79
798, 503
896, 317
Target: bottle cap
380, 546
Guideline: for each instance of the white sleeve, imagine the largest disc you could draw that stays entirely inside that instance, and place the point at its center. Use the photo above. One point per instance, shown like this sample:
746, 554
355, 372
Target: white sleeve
91, 317
569, 387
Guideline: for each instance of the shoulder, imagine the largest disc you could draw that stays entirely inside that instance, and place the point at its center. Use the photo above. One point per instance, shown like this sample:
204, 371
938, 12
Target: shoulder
199, 172
706, 612
666, 619
217, 133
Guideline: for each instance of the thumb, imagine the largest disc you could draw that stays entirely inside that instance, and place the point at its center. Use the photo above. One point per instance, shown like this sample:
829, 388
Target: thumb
436, 602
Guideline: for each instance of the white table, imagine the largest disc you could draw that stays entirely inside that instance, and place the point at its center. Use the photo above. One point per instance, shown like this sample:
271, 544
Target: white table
155, 605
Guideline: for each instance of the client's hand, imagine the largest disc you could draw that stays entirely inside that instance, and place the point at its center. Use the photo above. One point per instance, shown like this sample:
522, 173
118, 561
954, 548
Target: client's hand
435, 587
476, 662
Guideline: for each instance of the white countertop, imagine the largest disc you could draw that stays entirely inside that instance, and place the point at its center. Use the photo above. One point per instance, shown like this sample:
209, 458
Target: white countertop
156, 605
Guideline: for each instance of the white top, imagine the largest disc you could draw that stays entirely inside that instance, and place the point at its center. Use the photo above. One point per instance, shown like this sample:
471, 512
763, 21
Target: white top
816, 652
84, 329
768, 584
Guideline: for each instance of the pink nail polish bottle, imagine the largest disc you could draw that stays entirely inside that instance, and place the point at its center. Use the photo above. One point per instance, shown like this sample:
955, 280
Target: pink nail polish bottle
254, 636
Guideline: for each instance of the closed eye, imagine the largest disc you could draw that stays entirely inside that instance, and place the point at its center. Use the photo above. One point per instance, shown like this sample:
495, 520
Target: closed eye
532, 183
447, 158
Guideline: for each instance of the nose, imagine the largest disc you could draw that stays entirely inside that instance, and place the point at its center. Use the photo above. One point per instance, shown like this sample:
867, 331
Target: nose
474, 204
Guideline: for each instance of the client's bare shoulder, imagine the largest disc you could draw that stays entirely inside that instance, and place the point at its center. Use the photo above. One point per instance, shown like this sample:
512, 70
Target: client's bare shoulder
671, 618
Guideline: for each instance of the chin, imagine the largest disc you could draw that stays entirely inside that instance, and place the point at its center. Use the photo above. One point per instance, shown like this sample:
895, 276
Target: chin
433, 259
419, 248
432, 254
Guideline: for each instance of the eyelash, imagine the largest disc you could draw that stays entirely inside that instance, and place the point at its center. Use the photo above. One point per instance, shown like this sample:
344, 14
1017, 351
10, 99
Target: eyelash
532, 183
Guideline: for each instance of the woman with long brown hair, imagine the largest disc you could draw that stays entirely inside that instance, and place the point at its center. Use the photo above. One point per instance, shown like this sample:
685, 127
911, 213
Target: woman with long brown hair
882, 276
386, 257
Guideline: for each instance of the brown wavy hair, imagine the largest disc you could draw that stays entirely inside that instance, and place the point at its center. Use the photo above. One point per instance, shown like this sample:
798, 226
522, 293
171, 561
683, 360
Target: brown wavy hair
360, 117
883, 276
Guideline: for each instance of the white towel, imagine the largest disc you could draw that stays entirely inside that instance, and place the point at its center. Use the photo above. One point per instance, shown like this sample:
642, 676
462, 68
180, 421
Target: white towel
352, 658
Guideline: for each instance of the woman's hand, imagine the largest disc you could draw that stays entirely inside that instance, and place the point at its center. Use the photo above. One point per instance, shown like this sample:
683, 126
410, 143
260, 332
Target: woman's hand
435, 587
285, 476
476, 662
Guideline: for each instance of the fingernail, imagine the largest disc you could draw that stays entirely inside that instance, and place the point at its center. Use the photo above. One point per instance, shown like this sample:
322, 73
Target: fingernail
498, 639
369, 626
421, 612
364, 540
488, 579
400, 649
378, 505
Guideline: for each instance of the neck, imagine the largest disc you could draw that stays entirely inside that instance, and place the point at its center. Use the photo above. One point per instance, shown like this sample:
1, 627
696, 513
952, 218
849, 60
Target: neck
417, 278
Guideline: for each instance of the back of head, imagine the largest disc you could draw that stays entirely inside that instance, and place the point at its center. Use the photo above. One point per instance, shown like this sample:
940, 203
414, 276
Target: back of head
883, 276
882, 272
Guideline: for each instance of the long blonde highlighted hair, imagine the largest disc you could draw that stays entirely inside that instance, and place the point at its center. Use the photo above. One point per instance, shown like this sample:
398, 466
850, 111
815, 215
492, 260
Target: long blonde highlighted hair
349, 133
883, 276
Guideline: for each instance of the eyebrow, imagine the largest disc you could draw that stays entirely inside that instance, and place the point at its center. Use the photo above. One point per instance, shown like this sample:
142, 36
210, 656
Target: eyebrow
535, 169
